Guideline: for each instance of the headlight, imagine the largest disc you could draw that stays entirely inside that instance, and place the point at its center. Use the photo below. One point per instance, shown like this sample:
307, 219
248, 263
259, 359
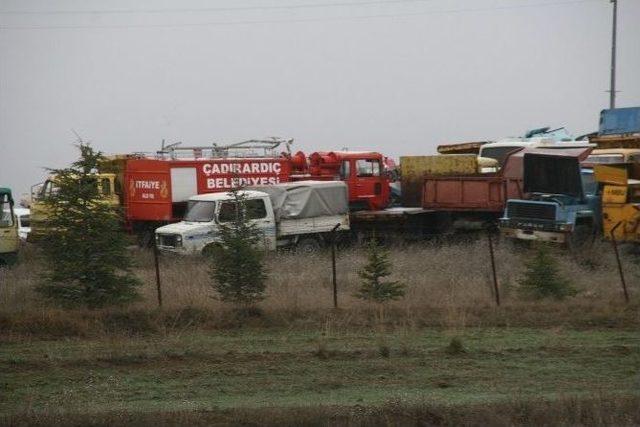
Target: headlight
179, 238
157, 237
565, 227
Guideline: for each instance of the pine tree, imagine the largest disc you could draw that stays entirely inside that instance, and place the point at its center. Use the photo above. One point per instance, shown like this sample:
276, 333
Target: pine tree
542, 278
84, 245
378, 266
237, 266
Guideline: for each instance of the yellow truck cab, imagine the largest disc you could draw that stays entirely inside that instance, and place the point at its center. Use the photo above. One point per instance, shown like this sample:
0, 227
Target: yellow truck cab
106, 183
620, 200
9, 240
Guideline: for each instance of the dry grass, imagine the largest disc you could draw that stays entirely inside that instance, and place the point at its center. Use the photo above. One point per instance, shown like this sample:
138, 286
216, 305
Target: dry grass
448, 285
570, 411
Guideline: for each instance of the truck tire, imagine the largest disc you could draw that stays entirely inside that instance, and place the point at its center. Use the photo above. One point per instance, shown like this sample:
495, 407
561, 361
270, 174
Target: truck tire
145, 239
207, 251
308, 245
581, 238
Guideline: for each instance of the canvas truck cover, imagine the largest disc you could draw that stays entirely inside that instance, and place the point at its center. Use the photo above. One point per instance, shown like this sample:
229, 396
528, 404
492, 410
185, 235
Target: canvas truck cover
307, 199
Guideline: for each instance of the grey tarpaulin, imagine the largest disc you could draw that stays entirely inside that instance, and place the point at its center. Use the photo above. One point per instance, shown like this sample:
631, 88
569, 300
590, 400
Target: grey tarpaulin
307, 199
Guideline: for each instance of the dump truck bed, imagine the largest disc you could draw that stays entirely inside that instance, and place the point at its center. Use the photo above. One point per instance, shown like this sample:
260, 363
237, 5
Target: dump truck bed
481, 193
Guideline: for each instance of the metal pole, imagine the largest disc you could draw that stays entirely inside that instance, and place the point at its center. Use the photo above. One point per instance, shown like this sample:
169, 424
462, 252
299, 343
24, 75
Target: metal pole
615, 250
612, 90
493, 269
333, 265
157, 263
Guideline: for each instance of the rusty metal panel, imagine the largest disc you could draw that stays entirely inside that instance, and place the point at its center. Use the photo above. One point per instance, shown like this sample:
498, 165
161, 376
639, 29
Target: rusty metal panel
485, 194
461, 148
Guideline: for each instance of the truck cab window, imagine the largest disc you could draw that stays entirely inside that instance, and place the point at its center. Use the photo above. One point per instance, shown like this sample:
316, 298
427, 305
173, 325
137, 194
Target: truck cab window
227, 212
89, 184
6, 219
605, 158
367, 168
589, 185
49, 189
345, 169
256, 209
200, 211
117, 186
498, 153
105, 184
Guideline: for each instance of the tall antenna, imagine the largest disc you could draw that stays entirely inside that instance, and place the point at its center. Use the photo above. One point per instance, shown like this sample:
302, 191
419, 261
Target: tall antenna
79, 138
612, 90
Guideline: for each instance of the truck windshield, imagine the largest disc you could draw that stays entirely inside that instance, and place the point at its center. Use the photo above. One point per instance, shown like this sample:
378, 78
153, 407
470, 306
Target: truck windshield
589, 185
605, 158
25, 221
6, 211
200, 211
6, 219
497, 153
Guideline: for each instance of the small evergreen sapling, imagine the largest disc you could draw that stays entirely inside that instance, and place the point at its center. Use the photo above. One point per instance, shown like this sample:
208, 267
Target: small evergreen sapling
542, 278
374, 288
84, 245
237, 266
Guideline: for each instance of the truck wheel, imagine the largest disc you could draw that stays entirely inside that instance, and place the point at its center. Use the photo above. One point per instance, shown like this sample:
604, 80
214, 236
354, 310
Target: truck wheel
145, 239
208, 250
581, 238
307, 245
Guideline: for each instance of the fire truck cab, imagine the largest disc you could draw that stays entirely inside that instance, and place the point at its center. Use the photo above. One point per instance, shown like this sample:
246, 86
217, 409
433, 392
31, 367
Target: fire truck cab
364, 173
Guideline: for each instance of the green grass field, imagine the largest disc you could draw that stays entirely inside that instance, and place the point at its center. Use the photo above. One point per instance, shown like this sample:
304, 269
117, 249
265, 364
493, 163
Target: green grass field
289, 368
297, 361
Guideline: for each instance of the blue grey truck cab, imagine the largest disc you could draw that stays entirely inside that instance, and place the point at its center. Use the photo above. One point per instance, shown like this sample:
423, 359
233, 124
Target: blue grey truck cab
562, 204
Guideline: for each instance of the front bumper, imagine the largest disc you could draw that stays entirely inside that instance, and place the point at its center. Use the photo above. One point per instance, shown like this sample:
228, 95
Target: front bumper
173, 249
535, 235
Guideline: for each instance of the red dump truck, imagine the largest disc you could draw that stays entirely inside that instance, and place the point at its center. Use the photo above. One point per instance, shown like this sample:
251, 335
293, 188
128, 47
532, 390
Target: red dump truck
477, 198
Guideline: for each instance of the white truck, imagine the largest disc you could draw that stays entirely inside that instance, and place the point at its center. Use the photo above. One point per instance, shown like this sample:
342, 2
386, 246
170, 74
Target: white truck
296, 214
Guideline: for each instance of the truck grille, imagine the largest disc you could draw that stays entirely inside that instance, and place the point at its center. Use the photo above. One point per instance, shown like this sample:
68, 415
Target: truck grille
541, 211
168, 240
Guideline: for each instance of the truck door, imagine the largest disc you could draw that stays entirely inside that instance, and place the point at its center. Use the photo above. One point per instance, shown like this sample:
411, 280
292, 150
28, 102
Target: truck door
365, 186
258, 213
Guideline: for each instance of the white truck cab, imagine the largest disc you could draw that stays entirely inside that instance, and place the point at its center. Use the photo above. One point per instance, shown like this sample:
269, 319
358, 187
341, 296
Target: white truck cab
298, 214
23, 216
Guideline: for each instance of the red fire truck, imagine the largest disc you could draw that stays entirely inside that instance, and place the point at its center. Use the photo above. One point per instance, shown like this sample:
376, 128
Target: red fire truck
153, 188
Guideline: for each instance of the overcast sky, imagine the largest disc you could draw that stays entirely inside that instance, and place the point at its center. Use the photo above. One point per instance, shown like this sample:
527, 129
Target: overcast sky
396, 76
